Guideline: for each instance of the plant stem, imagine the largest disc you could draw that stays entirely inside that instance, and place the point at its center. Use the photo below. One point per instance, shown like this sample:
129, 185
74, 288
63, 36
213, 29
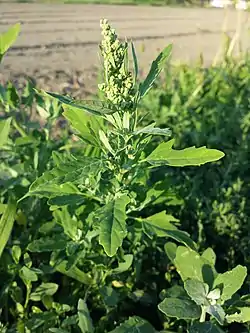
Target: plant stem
203, 314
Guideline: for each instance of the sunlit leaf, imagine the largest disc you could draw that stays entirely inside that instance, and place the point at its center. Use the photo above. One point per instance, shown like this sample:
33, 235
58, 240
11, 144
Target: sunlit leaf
242, 315
124, 266
8, 38
45, 289
165, 155
230, 282
157, 65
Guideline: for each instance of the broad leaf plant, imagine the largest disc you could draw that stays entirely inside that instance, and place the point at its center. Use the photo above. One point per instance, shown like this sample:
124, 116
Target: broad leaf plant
97, 194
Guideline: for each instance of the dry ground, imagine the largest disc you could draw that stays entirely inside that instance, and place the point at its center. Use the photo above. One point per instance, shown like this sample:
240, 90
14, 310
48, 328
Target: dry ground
58, 43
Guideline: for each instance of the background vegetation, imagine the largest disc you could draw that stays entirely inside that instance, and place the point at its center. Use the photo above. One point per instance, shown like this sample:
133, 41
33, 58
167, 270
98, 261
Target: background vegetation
202, 106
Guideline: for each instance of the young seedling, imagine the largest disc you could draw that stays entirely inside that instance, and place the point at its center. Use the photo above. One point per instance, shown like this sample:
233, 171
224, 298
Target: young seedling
206, 292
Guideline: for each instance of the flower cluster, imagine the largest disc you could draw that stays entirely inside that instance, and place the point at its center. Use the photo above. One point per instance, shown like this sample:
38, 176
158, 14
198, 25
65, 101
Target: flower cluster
118, 87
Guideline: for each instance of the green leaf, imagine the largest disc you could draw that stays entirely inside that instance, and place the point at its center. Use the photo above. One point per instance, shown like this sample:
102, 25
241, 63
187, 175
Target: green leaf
45, 289
62, 179
74, 272
113, 229
57, 330
110, 296
8, 38
182, 237
205, 328
97, 108
124, 266
66, 200
192, 156
241, 316
180, 308
135, 62
86, 124
176, 291
231, 281
160, 225
6, 223
157, 65
27, 275
105, 142
16, 253
197, 291
47, 244
134, 325
68, 223
85, 321
4, 131
170, 249
40, 320
209, 255
190, 265
217, 312
150, 129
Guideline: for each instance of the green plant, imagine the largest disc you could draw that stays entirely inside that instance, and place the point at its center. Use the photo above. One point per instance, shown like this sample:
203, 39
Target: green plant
108, 180
205, 291
91, 222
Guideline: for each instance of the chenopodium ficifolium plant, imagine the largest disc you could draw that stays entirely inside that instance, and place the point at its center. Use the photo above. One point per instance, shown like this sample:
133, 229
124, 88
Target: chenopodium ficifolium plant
209, 299
115, 160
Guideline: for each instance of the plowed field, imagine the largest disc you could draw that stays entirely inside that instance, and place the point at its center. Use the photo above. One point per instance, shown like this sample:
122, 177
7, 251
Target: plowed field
58, 43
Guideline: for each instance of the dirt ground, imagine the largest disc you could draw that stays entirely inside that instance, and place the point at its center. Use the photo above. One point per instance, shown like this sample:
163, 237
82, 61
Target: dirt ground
58, 43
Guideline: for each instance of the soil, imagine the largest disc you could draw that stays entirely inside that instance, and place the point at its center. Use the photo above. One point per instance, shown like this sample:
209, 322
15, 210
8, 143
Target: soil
58, 44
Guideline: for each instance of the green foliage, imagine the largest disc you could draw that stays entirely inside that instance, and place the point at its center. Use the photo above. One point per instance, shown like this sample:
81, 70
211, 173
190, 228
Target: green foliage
6, 223
8, 38
102, 223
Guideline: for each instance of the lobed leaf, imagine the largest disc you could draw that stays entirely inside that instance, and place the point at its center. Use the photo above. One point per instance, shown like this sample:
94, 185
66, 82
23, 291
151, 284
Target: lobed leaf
112, 228
242, 315
230, 282
192, 156
160, 225
62, 179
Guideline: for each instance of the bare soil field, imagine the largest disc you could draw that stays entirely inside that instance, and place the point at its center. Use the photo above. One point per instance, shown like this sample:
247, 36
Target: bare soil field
58, 44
